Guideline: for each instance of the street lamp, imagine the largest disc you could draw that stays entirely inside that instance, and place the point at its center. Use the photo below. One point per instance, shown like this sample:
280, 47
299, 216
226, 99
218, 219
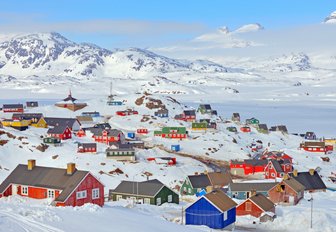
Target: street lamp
311, 210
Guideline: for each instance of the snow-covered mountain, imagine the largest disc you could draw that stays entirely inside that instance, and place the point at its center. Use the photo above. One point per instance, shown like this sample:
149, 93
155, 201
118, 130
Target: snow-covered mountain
52, 54
331, 19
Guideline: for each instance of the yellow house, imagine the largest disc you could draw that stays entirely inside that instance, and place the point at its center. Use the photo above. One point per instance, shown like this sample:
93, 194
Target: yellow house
41, 123
330, 141
21, 123
7, 122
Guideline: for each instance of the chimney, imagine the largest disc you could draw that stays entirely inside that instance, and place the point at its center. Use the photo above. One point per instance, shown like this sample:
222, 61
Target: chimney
71, 168
31, 164
253, 192
295, 172
311, 172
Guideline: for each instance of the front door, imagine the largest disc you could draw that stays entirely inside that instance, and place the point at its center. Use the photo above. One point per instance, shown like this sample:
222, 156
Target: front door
14, 189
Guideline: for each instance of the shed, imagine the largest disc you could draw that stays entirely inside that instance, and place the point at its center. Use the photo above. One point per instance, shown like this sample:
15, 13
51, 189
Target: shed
215, 210
176, 147
255, 206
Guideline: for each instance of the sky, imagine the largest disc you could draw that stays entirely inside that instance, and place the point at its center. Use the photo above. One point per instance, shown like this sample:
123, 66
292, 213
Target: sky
127, 23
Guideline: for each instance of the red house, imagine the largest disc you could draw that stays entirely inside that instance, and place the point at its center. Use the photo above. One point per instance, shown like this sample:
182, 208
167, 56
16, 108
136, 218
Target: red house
255, 206
127, 112
107, 135
245, 129
187, 116
163, 160
277, 169
276, 155
142, 131
289, 191
12, 108
316, 146
61, 132
247, 167
65, 187
81, 133
87, 148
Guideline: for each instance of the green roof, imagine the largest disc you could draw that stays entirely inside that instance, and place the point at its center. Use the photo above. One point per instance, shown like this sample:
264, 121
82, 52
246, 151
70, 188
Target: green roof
179, 130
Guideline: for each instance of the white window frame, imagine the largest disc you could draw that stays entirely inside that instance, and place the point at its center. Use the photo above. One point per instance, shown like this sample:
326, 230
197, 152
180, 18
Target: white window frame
24, 190
170, 198
81, 195
189, 190
147, 201
51, 193
95, 193
225, 216
158, 201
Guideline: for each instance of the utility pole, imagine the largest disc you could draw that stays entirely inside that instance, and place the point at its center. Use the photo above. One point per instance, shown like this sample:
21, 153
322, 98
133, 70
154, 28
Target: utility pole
182, 216
311, 212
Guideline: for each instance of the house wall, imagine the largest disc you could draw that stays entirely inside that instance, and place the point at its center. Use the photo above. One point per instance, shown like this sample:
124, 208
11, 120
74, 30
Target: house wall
186, 188
255, 210
121, 157
88, 184
20, 110
283, 197
164, 193
242, 195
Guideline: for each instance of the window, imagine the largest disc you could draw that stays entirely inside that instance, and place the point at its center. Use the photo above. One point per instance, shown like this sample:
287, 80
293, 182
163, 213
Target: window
51, 193
147, 201
273, 175
248, 206
95, 193
225, 216
81, 195
189, 190
158, 201
170, 198
24, 190
119, 197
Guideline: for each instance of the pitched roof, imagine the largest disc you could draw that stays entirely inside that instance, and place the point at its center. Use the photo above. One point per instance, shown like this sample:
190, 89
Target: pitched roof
117, 146
27, 115
220, 200
45, 177
276, 165
51, 121
103, 125
310, 182
146, 188
263, 202
199, 181
86, 145
99, 131
219, 178
162, 111
205, 106
263, 127
236, 115
258, 186
12, 106
84, 118
256, 162
294, 184
314, 144
57, 129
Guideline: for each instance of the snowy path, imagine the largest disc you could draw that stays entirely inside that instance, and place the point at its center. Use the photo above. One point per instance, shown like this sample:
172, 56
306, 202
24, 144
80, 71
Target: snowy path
21, 223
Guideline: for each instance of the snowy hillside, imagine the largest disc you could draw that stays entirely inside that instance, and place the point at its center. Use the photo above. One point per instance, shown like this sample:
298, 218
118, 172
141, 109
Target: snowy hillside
331, 19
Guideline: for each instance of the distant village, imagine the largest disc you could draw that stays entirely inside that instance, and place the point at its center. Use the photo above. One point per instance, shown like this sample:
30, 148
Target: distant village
219, 200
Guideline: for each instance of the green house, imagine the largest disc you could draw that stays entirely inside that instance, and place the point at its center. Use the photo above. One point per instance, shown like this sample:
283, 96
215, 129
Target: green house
52, 140
172, 132
232, 129
151, 192
199, 126
194, 184
262, 128
252, 121
204, 109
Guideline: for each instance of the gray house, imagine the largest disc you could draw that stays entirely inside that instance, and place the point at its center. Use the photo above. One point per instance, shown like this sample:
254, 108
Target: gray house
244, 190
147, 192
72, 123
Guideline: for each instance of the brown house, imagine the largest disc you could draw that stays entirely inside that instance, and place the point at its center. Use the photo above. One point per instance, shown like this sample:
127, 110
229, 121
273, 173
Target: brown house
255, 206
289, 191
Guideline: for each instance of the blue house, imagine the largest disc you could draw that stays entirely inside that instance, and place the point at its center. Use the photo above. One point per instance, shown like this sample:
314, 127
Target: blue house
162, 113
243, 190
175, 147
91, 114
131, 135
215, 210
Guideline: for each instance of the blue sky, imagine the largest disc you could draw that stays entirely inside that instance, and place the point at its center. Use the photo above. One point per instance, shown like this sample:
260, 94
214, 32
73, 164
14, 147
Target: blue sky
143, 23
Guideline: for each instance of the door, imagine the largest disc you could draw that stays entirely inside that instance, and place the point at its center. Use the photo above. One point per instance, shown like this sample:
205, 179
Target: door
247, 194
291, 200
14, 189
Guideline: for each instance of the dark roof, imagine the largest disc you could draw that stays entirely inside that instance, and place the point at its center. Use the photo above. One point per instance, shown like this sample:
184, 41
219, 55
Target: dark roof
162, 111
258, 186
146, 188
220, 200
27, 115
57, 129
255, 162
99, 131
102, 125
189, 112
310, 182
60, 121
206, 106
70, 98
199, 181
277, 166
263, 202
117, 146
314, 144
45, 177
31, 103
84, 118
86, 145
263, 127
282, 128
309, 133
237, 162
236, 115
12, 106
